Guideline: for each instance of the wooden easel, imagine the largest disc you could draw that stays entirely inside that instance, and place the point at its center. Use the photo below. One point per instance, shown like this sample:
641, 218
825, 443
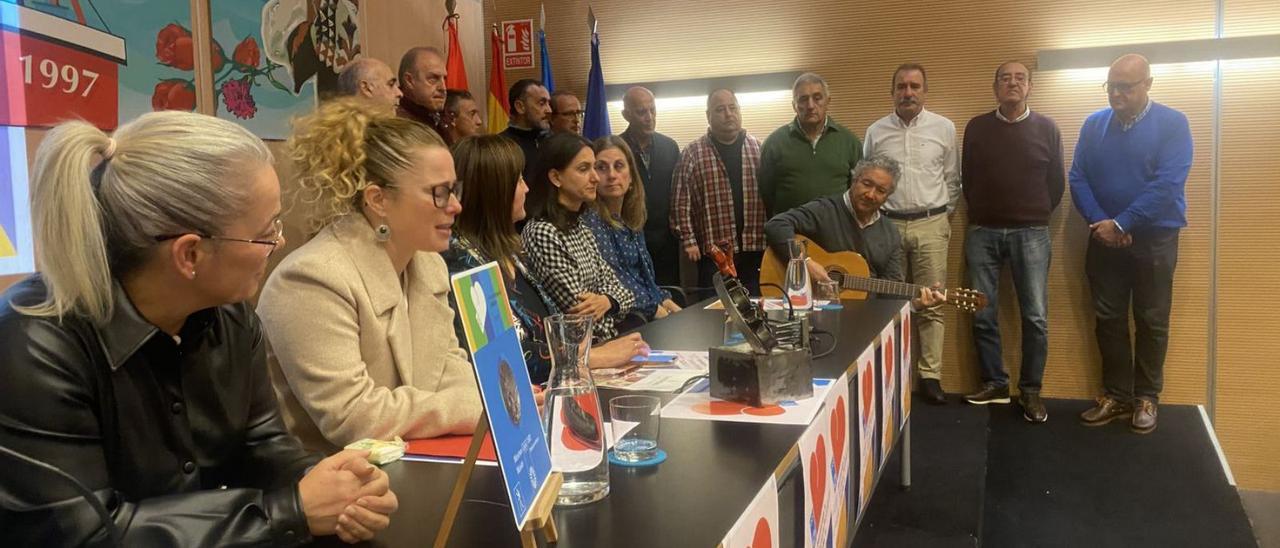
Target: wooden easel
540, 518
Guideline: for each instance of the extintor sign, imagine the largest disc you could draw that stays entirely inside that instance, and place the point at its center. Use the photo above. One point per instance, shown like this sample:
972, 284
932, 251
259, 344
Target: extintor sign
517, 44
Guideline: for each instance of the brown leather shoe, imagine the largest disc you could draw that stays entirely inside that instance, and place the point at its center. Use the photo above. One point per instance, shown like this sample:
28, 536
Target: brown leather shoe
1107, 410
1033, 408
1144, 417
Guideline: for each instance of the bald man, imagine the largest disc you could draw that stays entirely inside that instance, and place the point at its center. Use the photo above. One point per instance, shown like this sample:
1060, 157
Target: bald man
1128, 181
369, 78
422, 75
656, 156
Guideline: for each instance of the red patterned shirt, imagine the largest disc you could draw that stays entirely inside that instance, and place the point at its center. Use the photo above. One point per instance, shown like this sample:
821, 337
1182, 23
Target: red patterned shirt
702, 200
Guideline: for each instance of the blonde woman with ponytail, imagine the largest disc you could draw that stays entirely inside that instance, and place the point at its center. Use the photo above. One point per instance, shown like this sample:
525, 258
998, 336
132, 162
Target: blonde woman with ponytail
359, 317
132, 365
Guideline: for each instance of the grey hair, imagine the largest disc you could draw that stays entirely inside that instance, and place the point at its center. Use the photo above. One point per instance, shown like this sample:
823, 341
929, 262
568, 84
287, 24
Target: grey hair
355, 72
881, 162
98, 218
810, 78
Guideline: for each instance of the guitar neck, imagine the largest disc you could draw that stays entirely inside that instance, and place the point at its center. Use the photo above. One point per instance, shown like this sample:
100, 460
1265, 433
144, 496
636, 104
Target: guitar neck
881, 287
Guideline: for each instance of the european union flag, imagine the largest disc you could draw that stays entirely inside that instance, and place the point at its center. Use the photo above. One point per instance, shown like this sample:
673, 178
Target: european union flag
597, 116
547, 80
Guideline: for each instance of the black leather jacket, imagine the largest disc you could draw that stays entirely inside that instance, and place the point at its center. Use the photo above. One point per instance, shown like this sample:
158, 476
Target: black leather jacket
182, 442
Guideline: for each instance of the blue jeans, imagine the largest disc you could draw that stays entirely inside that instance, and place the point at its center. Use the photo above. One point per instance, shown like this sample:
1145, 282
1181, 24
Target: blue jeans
1027, 252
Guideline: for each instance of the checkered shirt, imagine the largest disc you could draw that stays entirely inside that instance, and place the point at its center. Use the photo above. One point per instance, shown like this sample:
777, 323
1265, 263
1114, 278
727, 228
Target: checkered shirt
568, 264
702, 201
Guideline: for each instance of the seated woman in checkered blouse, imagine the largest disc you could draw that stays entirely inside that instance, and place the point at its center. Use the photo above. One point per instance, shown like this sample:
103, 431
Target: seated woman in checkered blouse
485, 231
617, 221
562, 251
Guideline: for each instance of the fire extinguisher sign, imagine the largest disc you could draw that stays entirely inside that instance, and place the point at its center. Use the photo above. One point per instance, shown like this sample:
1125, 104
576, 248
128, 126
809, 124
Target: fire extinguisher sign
517, 44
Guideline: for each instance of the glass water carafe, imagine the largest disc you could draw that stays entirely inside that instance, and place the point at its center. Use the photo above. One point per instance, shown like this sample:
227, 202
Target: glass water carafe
571, 416
798, 289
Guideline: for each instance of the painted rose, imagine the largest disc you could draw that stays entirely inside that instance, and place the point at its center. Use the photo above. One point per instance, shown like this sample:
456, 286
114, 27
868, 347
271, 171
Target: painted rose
175, 48
247, 52
173, 95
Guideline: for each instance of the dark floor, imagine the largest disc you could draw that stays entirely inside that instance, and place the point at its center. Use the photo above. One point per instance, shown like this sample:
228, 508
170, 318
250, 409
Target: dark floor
982, 476
1263, 508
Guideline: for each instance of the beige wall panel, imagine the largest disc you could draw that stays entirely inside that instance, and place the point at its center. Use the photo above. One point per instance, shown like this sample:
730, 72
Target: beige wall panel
1248, 379
1250, 17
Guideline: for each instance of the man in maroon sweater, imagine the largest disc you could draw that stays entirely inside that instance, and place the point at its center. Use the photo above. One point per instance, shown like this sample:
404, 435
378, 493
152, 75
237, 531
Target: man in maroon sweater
1013, 179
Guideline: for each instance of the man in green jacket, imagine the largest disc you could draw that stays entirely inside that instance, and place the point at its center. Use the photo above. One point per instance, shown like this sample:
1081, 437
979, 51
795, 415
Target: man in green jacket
810, 157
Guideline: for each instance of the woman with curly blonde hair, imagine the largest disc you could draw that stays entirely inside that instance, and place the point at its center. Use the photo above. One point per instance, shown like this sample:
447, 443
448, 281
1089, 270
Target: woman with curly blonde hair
358, 317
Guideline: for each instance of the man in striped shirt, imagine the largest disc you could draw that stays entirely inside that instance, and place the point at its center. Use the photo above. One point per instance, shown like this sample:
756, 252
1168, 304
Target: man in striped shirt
715, 197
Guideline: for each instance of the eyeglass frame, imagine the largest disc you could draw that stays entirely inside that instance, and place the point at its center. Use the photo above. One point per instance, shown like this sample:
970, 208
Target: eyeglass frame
278, 224
454, 188
1123, 87
579, 114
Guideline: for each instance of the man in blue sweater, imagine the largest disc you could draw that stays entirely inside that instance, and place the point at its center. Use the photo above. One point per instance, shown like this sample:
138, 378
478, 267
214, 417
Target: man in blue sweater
1127, 181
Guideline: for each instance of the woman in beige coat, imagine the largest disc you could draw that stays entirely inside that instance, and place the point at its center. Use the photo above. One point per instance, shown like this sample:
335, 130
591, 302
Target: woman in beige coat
358, 318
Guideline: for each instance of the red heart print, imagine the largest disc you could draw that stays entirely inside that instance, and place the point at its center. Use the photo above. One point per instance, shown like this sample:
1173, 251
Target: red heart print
763, 537
868, 393
888, 360
818, 476
838, 421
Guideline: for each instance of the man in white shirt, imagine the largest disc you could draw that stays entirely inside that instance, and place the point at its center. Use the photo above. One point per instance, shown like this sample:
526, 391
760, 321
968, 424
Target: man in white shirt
924, 144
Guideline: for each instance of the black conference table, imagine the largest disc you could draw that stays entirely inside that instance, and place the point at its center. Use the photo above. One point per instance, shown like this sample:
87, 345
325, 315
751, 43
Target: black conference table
713, 470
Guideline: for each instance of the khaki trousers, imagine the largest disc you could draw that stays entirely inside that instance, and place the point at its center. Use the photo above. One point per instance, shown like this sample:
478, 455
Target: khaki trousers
924, 246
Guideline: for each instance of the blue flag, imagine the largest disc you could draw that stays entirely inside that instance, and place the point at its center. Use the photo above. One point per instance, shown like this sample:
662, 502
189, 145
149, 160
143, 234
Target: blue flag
547, 80
597, 117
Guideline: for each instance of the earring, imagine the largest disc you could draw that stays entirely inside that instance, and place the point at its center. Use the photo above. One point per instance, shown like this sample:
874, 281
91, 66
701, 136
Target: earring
382, 233
193, 274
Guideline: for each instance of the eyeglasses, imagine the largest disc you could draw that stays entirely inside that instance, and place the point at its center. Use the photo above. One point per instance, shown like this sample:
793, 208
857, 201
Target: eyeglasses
572, 114
277, 227
1122, 87
440, 193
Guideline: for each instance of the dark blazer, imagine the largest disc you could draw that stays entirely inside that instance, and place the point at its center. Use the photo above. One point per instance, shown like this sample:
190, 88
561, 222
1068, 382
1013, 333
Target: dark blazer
664, 155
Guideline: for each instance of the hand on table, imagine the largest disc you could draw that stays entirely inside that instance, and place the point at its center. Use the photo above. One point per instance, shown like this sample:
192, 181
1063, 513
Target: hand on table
617, 352
372, 510
539, 397
671, 306
345, 495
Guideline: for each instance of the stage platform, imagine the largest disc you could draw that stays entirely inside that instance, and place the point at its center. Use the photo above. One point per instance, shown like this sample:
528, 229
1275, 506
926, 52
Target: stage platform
982, 476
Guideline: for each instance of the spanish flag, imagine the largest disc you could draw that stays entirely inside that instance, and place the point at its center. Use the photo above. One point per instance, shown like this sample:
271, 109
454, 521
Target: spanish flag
456, 69
497, 103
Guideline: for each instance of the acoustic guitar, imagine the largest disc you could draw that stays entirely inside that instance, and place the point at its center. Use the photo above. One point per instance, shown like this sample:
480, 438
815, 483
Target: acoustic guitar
851, 271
